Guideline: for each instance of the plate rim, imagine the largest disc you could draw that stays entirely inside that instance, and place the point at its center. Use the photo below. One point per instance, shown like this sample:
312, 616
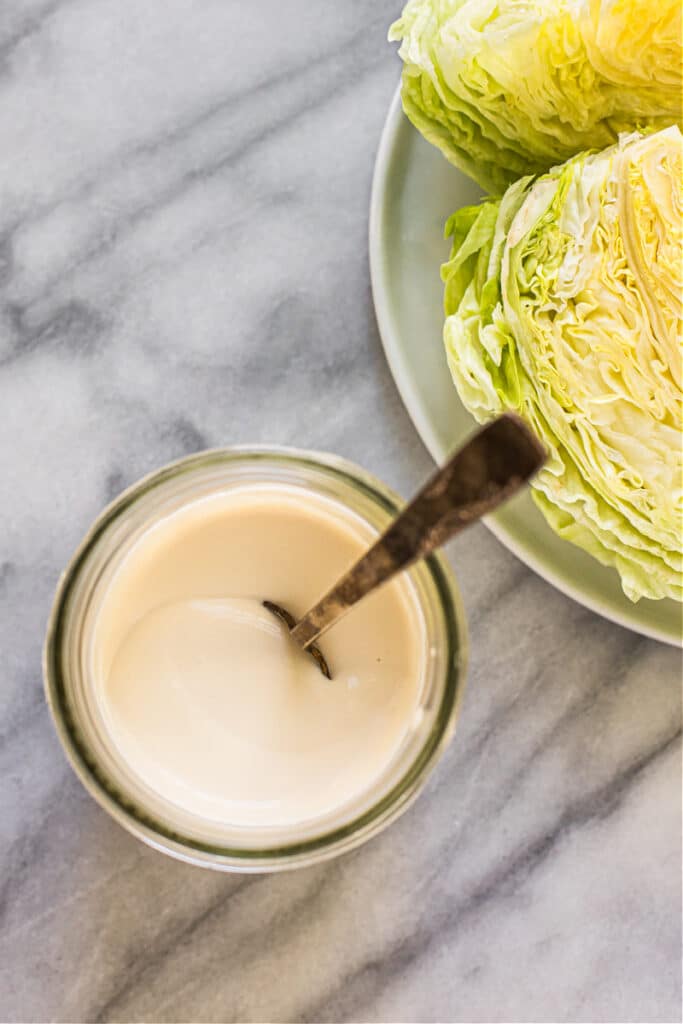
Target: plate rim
401, 374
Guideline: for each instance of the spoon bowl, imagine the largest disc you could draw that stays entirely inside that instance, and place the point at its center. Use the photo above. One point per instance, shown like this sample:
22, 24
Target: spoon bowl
290, 622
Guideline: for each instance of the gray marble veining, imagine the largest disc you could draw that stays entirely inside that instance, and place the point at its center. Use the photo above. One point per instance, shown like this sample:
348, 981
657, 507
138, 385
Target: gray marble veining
183, 263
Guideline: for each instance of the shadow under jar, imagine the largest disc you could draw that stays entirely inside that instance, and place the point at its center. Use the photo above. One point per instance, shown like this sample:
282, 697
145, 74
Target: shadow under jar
74, 664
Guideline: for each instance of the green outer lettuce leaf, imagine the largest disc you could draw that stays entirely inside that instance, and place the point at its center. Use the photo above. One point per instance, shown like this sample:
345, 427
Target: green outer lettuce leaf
564, 302
511, 87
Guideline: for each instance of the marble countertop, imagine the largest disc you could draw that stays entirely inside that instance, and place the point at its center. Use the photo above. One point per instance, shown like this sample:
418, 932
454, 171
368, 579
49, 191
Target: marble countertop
183, 263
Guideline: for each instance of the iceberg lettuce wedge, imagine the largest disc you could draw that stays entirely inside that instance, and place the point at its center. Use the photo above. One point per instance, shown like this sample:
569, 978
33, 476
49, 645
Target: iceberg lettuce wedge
511, 87
564, 301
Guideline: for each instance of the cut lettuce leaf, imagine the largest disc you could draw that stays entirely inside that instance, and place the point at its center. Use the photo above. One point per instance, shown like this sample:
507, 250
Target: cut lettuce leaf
564, 302
511, 87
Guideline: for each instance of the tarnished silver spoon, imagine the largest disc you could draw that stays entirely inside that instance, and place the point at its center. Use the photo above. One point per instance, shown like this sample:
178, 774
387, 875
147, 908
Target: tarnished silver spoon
492, 466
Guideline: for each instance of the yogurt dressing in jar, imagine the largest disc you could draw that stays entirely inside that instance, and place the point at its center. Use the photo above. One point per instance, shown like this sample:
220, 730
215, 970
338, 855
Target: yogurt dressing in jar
183, 705
203, 693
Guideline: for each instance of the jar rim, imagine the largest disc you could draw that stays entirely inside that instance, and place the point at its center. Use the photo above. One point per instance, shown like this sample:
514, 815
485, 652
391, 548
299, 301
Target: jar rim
312, 849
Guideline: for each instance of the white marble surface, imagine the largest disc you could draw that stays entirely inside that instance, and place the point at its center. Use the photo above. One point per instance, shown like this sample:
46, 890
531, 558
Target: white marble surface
183, 263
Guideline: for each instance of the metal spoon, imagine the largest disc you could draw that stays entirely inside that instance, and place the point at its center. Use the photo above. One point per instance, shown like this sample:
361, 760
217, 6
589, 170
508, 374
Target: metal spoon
492, 466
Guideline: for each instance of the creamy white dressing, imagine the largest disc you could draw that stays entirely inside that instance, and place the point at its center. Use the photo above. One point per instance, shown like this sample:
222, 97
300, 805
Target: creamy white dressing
204, 695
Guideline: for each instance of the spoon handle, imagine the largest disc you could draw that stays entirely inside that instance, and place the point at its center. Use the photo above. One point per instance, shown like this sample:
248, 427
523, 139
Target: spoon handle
495, 463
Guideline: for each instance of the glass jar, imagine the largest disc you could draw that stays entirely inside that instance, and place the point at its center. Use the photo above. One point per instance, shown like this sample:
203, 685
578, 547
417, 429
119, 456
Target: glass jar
70, 687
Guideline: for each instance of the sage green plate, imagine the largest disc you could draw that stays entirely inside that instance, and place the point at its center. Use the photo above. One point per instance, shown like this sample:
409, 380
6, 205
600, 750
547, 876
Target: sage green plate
414, 191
